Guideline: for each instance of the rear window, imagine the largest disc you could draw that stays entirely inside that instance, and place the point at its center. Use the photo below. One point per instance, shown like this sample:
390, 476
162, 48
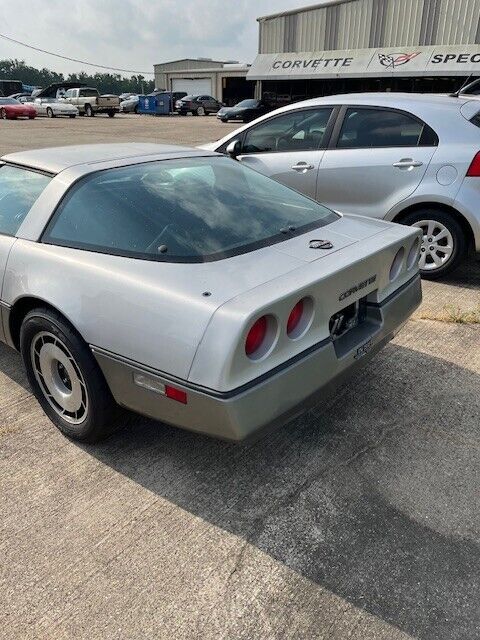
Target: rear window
476, 119
88, 93
365, 128
187, 210
247, 103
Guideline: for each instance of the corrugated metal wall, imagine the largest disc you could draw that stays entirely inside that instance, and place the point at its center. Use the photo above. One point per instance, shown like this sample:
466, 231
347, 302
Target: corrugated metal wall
356, 24
310, 28
402, 23
272, 35
458, 21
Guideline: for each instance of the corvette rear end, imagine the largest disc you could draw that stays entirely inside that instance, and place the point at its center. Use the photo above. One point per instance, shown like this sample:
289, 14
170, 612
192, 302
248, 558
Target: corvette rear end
272, 351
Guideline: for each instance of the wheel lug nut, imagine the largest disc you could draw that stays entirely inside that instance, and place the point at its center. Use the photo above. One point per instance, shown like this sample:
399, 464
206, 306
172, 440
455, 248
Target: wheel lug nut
431, 248
422, 249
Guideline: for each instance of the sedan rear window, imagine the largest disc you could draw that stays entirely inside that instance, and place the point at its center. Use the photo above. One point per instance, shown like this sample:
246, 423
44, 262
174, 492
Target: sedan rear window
248, 103
476, 119
186, 210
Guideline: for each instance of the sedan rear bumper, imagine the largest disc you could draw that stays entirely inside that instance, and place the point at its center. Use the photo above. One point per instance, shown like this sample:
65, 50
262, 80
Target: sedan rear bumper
272, 399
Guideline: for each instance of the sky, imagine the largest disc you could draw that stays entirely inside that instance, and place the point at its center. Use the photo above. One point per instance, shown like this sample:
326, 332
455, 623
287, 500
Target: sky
134, 34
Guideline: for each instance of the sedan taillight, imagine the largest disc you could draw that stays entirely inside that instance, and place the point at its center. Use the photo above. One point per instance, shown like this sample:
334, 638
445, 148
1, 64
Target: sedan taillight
474, 168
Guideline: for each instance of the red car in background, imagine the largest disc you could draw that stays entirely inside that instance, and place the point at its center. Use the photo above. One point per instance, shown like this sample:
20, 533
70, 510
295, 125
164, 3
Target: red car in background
13, 109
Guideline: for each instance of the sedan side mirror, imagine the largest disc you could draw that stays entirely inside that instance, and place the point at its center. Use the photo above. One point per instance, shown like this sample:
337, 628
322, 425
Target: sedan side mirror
234, 148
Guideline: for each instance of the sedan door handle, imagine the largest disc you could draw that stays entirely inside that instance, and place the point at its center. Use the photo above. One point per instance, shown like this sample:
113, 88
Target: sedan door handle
407, 163
302, 167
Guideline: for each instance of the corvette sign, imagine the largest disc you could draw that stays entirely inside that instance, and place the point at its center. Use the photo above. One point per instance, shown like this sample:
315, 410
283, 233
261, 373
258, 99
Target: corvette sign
405, 61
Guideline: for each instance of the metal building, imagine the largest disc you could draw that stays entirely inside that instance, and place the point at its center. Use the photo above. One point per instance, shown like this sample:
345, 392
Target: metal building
225, 81
362, 45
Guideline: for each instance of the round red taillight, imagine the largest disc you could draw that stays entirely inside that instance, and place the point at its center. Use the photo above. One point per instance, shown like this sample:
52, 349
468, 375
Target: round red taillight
294, 318
256, 336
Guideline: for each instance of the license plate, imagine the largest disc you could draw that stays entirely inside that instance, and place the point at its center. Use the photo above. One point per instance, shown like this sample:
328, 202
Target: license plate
347, 319
363, 350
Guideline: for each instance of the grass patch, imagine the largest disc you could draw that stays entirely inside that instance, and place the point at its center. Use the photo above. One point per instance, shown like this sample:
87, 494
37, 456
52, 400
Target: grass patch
452, 314
6, 430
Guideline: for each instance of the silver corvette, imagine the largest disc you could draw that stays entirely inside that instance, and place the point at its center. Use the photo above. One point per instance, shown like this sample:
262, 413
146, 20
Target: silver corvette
184, 286
51, 107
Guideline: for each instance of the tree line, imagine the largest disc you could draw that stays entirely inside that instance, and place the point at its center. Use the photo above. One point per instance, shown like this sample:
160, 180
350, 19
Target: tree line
104, 82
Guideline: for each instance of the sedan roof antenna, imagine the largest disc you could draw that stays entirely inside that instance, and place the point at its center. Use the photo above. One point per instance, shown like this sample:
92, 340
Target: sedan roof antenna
465, 84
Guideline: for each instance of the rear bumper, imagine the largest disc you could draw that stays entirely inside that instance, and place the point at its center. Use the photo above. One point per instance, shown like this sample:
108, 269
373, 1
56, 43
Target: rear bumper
116, 109
274, 398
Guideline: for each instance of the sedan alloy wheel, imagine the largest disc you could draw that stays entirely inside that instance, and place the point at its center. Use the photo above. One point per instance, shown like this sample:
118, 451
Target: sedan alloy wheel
444, 243
437, 244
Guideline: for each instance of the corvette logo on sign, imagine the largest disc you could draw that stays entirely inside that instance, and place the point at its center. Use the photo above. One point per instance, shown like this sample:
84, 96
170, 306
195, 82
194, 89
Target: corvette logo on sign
393, 60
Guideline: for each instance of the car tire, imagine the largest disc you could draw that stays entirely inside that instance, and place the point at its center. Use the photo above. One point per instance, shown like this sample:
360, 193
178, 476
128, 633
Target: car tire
135, 110
111, 114
73, 116
3, 114
89, 112
31, 117
65, 378
50, 113
201, 111
444, 244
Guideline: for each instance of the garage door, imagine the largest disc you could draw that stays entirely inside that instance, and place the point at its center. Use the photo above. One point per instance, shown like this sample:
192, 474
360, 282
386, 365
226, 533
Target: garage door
192, 87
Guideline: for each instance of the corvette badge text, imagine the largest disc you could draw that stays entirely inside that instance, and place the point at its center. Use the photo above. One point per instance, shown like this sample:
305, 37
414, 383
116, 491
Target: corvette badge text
357, 287
312, 63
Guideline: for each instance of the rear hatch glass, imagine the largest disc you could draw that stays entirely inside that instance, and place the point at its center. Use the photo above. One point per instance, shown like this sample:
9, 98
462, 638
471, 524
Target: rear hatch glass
184, 210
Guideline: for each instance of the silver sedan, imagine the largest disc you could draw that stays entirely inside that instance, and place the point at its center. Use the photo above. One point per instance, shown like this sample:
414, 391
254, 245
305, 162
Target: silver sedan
409, 158
187, 287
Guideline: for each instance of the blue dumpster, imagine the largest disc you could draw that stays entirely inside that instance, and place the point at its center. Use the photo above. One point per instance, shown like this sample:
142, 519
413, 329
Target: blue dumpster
159, 104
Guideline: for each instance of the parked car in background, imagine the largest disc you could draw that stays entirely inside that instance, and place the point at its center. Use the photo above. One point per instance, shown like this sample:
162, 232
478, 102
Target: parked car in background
22, 97
187, 287
201, 105
51, 108
89, 102
409, 158
176, 99
245, 111
11, 109
129, 105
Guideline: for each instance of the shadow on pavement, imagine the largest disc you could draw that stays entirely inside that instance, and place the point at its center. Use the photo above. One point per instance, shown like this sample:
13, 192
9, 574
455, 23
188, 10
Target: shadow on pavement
467, 275
373, 495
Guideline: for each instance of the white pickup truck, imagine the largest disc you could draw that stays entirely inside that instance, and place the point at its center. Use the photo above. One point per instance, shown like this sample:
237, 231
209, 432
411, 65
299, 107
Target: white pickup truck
89, 102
